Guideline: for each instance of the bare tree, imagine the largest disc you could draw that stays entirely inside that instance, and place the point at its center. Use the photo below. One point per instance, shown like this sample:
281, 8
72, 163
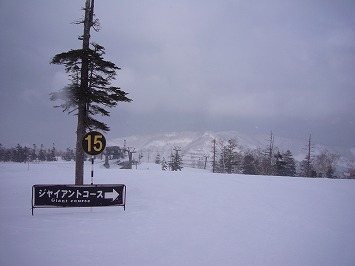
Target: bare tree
307, 165
267, 159
214, 154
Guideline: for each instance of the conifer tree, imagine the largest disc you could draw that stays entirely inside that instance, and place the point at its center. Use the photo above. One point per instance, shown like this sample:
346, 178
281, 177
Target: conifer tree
20, 154
164, 165
51, 154
176, 160
42, 154
230, 159
290, 164
68, 155
17, 153
157, 158
280, 165
248, 167
90, 90
2, 153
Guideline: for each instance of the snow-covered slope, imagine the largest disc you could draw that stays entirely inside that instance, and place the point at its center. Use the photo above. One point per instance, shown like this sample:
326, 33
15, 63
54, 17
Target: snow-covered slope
197, 145
185, 218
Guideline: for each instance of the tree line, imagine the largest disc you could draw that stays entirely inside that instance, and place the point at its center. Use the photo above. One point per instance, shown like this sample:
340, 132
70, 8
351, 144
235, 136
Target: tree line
225, 157
229, 157
22, 154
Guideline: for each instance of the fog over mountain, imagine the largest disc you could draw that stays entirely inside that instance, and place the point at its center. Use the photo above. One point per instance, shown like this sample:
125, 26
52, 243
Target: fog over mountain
196, 145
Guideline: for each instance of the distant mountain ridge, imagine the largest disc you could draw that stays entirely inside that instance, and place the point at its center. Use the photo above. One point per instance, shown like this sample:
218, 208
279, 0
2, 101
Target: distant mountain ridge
196, 145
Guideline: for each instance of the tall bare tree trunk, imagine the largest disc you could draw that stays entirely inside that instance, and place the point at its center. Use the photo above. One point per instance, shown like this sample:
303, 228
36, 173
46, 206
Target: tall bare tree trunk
309, 166
82, 105
214, 156
270, 154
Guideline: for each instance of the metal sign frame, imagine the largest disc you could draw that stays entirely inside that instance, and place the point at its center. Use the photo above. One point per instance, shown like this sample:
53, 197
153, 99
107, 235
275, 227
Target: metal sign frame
64, 196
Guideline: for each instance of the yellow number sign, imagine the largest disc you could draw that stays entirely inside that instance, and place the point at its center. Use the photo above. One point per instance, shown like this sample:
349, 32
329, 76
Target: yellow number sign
93, 143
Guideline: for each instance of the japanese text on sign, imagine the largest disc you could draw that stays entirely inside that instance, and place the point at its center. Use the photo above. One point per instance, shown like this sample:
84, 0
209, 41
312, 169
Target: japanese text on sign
78, 196
65, 195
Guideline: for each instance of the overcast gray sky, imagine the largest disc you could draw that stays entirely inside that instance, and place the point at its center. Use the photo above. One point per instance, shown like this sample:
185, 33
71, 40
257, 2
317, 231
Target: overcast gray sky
246, 65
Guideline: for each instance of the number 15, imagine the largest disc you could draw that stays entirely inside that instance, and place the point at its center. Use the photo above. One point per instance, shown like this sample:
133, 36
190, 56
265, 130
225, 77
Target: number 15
97, 144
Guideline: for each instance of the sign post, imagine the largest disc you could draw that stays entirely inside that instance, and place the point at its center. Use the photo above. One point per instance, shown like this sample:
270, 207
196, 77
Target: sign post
49, 196
93, 143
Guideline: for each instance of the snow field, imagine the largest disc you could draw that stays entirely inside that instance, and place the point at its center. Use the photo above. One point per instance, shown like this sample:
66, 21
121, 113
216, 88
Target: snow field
191, 217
